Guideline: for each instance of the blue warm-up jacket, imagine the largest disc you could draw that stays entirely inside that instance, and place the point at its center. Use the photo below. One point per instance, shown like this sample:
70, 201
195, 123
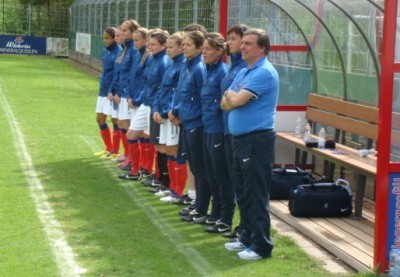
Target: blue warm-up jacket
108, 57
154, 73
115, 87
187, 103
211, 98
237, 64
137, 79
125, 68
163, 101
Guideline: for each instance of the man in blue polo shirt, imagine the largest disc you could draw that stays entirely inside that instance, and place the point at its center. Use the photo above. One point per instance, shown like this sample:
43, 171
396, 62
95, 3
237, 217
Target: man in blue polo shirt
252, 100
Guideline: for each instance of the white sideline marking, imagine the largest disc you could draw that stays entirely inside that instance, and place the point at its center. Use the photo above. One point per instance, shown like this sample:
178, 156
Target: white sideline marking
193, 257
63, 253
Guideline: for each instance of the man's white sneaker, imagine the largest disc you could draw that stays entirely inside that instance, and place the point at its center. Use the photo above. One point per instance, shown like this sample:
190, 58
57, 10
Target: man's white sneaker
248, 254
235, 246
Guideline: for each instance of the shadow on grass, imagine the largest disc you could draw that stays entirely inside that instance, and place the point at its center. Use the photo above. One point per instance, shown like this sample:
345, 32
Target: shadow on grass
107, 224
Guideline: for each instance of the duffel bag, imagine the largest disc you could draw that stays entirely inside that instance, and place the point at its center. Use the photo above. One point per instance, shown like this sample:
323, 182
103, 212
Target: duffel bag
321, 199
284, 179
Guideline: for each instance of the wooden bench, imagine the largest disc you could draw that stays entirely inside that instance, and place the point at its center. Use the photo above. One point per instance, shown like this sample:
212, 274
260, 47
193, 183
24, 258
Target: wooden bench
346, 118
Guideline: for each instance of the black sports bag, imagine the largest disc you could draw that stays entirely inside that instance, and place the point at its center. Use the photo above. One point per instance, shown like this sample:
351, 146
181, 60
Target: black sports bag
284, 179
321, 199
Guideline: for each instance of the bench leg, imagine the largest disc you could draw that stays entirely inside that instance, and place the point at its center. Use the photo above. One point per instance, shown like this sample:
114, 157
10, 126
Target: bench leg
360, 190
297, 157
304, 156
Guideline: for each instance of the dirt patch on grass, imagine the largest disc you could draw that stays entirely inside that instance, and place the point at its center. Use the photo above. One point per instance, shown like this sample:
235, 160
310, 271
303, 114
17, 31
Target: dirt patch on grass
83, 67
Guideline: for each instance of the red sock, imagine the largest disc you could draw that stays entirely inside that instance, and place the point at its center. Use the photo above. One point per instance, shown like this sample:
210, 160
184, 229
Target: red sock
116, 141
143, 159
150, 151
171, 171
125, 143
134, 155
180, 178
106, 136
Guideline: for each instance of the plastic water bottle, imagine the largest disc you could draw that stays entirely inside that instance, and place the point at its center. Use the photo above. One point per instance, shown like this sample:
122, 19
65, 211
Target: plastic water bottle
297, 130
321, 138
307, 133
394, 263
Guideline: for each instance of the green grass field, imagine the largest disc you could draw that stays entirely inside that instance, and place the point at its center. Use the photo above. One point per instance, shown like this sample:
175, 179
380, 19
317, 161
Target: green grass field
113, 228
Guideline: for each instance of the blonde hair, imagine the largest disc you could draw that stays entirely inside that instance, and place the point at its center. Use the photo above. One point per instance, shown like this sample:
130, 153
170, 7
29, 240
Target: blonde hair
177, 37
160, 35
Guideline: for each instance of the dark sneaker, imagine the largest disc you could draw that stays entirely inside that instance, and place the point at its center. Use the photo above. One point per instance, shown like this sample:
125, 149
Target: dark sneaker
156, 184
180, 200
157, 189
235, 233
211, 220
130, 176
199, 219
184, 212
127, 167
145, 174
218, 227
148, 180
187, 200
190, 216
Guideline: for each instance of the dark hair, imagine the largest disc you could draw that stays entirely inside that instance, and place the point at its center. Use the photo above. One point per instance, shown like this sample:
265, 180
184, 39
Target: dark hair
262, 38
216, 41
197, 37
111, 31
133, 25
195, 27
160, 35
238, 29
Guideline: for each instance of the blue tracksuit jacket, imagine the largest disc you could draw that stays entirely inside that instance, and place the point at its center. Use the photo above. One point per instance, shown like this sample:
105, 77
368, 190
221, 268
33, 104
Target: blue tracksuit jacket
163, 101
211, 98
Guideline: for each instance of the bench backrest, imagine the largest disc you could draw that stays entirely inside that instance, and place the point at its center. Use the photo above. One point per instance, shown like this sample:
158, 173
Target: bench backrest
342, 115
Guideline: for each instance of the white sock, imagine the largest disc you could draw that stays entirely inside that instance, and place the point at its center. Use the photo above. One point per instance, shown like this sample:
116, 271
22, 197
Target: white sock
192, 193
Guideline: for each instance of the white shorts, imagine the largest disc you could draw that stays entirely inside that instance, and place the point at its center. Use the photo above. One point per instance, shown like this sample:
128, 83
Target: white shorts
133, 113
141, 121
169, 133
103, 105
124, 113
115, 110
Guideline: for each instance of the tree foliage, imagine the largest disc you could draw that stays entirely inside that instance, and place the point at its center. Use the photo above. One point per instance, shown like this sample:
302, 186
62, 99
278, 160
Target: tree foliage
35, 17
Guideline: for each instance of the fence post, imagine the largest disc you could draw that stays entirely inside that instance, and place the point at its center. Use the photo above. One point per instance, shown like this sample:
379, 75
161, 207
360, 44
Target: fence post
176, 23
195, 10
29, 19
160, 14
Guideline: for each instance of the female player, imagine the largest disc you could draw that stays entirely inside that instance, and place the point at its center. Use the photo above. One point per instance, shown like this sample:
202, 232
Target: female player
169, 133
104, 106
235, 34
125, 60
187, 110
223, 203
141, 123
